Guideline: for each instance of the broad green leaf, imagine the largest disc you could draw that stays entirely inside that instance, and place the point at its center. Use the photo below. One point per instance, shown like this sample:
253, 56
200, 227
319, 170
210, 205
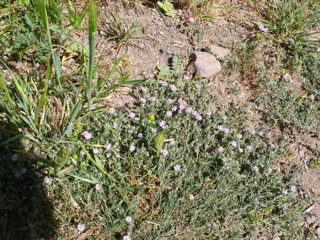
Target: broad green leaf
159, 141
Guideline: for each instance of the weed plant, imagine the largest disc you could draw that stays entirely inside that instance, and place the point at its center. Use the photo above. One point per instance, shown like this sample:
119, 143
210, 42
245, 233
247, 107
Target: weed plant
289, 25
120, 32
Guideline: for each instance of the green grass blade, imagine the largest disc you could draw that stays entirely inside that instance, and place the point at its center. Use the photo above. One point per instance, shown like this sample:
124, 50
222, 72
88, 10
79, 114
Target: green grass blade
12, 139
98, 165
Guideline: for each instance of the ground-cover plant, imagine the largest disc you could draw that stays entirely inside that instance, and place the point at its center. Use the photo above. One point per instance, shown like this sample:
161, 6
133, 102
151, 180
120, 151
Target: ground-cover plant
289, 107
173, 168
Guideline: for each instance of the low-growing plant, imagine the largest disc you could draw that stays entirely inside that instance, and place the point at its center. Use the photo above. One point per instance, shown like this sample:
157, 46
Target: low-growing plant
121, 32
173, 167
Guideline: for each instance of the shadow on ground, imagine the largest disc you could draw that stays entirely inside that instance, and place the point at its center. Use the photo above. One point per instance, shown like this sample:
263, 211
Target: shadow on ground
25, 211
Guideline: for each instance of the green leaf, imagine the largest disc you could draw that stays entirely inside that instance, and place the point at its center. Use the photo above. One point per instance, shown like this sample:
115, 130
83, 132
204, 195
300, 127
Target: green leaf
176, 62
12, 139
98, 165
55, 27
207, 17
134, 82
159, 141
166, 6
82, 179
164, 71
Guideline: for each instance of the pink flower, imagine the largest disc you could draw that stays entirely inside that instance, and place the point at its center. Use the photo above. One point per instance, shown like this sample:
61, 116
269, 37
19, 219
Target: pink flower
165, 152
98, 187
128, 219
199, 118
220, 128
86, 135
311, 97
252, 131
132, 148
219, 149
177, 168
256, 169
111, 110
293, 188
95, 151
225, 159
162, 124
81, 227
191, 197
263, 28
132, 115
173, 88
109, 147
47, 180
226, 130
239, 136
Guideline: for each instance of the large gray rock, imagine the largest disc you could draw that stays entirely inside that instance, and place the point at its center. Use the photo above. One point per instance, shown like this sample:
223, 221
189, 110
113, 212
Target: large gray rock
220, 52
204, 64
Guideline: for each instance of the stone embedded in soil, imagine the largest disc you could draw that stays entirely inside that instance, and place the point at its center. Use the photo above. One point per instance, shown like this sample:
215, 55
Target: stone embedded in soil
220, 52
204, 64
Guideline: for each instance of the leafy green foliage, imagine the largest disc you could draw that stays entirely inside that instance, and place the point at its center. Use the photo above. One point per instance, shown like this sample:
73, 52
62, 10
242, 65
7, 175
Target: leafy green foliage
165, 71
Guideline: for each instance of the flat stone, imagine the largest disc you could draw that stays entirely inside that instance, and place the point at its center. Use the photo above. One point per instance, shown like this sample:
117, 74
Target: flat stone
220, 52
204, 64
